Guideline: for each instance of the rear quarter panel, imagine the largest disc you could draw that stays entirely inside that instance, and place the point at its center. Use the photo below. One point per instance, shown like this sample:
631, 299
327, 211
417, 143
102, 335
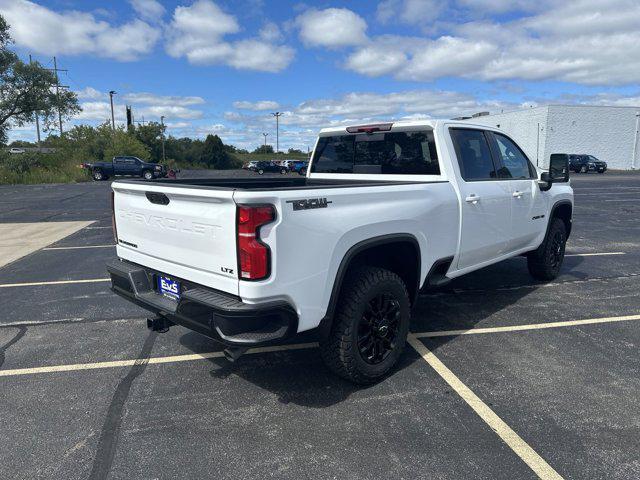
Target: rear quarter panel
308, 245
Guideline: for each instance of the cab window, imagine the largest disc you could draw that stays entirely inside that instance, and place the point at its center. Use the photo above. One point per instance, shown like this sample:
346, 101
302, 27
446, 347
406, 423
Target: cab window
474, 155
514, 163
385, 153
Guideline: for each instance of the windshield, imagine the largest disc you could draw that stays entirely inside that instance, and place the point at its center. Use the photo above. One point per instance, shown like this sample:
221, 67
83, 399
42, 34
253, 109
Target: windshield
391, 153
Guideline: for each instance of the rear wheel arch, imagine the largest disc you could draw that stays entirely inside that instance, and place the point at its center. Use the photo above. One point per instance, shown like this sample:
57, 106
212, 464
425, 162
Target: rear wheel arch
399, 253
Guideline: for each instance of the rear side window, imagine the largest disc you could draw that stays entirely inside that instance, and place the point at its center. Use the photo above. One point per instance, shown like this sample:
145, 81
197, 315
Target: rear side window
514, 163
386, 153
474, 155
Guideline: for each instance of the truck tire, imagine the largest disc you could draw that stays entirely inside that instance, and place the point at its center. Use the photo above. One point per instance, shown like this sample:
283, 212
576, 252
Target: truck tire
147, 175
98, 175
370, 326
544, 263
260, 171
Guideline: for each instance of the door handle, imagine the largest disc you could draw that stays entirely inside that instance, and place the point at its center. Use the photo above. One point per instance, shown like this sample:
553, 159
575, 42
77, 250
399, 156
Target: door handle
473, 198
517, 194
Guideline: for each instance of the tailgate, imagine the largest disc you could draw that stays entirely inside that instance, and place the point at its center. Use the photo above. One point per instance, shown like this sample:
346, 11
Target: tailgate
189, 233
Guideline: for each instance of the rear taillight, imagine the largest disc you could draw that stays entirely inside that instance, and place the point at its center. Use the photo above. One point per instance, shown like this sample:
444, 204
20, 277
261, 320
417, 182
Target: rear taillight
113, 217
254, 257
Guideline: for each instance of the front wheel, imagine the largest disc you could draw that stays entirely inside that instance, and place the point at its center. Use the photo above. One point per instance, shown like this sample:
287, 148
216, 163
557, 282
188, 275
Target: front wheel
148, 175
302, 171
260, 172
283, 171
98, 175
544, 263
584, 169
370, 327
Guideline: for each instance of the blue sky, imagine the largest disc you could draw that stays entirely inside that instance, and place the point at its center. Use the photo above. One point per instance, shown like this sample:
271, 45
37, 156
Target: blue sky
222, 67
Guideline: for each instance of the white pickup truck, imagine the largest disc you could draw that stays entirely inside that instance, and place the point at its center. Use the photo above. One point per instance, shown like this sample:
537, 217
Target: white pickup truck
385, 211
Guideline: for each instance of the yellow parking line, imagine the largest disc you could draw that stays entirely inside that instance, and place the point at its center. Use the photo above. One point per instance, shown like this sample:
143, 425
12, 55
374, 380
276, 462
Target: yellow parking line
150, 361
519, 328
508, 436
56, 282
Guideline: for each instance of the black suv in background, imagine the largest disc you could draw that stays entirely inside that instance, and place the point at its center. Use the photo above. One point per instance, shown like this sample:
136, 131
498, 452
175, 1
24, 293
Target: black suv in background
586, 163
262, 167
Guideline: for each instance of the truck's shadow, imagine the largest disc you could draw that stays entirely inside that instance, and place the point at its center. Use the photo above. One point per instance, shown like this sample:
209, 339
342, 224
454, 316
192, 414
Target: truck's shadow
299, 376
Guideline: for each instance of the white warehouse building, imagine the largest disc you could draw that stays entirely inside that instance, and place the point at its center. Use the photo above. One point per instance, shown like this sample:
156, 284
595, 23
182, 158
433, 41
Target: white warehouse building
608, 133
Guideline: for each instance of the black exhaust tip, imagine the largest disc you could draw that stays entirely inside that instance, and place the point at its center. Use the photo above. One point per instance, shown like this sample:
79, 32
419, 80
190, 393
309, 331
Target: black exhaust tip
234, 353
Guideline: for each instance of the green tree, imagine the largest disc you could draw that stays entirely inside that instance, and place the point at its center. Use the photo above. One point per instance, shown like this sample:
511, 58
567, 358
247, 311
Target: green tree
123, 143
214, 153
264, 149
28, 88
151, 136
86, 144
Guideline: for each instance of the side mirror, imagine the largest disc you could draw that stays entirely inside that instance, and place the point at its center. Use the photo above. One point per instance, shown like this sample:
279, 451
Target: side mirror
559, 168
545, 182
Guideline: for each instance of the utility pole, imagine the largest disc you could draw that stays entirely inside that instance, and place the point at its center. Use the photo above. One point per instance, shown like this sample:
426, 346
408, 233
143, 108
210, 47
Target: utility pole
37, 119
55, 70
162, 123
265, 141
113, 121
277, 115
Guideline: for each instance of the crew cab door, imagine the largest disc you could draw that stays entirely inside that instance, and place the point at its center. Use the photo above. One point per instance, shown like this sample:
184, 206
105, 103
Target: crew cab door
528, 204
120, 166
485, 201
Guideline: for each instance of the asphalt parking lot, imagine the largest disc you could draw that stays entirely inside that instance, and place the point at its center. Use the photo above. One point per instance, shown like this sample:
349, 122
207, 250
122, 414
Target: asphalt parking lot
505, 377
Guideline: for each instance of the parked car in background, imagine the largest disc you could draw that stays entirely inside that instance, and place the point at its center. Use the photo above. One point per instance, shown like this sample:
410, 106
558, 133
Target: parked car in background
16, 150
125, 166
250, 165
586, 164
262, 167
299, 167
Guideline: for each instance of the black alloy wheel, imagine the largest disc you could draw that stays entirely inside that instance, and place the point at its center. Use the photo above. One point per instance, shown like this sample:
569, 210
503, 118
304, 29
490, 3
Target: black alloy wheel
378, 328
556, 252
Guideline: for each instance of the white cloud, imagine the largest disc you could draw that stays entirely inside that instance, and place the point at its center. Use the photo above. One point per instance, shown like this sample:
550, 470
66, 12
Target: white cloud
412, 12
198, 27
96, 107
375, 61
332, 28
90, 93
162, 100
197, 33
502, 6
449, 56
270, 32
73, 32
580, 41
150, 10
253, 54
98, 111
259, 105
169, 111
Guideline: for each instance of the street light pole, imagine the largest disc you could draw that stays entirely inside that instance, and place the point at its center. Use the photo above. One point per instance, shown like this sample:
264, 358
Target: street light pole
162, 134
265, 141
113, 121
277, 115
